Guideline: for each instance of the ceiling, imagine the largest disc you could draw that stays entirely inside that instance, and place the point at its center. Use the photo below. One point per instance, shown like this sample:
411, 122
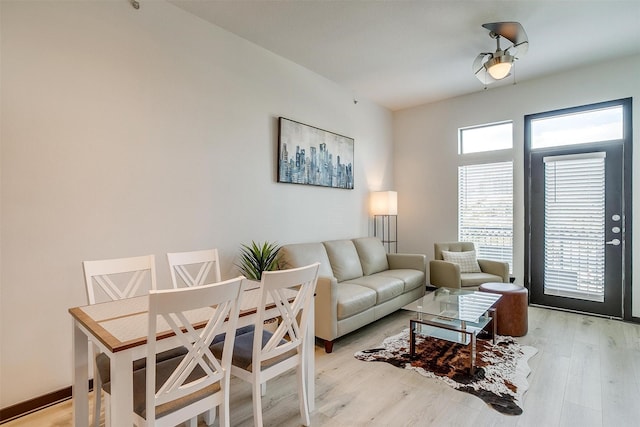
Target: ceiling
403, 53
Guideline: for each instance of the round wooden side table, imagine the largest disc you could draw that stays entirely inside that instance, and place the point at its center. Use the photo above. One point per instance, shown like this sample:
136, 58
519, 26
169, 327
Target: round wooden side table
512, 307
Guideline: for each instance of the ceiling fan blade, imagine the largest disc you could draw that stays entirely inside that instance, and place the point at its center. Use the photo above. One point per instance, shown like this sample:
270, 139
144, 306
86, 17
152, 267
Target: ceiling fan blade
479, 70
512, 31
518, 50
479, 61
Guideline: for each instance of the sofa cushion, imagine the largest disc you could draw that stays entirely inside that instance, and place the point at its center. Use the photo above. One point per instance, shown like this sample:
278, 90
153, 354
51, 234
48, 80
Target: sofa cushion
344, 259
412, 278
354, 299
466, 260
386, 287
373, 257
301, 254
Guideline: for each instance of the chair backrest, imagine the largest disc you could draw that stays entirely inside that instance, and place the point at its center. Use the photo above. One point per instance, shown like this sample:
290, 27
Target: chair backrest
279, 287
451, 247
219, 303
114, 279
194, 268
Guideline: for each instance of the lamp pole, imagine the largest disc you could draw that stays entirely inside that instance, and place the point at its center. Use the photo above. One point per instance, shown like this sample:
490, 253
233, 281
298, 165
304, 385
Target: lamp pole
388, 231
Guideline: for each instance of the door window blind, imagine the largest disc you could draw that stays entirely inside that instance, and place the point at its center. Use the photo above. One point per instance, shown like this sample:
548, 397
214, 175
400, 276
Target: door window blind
485, 209
574, 226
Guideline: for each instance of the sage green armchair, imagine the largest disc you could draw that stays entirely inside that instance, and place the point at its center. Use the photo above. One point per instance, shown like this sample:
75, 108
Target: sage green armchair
456, 266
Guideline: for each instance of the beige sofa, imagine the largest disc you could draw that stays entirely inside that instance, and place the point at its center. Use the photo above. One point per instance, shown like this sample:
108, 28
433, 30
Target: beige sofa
358, 282
451, 275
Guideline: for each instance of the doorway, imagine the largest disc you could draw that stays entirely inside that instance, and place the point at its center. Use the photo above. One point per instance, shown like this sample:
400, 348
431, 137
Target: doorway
578, 208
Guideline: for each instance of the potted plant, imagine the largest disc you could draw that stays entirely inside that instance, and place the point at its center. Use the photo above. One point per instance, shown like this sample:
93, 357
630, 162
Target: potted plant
256, 258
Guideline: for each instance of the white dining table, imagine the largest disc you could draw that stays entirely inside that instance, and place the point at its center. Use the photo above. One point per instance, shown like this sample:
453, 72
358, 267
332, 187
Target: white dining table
119, 329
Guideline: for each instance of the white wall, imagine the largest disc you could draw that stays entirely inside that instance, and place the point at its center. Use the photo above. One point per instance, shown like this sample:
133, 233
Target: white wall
425, 140
131, 132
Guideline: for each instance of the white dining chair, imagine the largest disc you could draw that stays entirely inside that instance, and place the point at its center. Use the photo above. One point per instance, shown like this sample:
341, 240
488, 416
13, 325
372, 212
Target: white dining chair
194, 268
260, 355
114, 279
109, 280
172, 391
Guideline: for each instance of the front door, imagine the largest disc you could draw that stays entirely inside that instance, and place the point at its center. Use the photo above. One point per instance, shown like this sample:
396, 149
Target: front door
578, 216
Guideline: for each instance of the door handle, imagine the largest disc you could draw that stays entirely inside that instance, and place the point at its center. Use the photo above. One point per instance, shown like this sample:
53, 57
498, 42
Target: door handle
614, 242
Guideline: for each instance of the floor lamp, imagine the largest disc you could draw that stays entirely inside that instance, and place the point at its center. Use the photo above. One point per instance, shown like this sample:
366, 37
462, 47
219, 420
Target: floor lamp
384, 208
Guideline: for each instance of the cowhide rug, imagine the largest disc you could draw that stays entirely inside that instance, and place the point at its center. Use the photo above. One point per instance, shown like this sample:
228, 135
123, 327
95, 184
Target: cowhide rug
501, 372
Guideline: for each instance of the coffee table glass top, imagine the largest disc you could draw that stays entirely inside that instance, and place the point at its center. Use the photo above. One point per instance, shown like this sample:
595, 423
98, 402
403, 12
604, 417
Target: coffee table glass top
455, 304
454, 315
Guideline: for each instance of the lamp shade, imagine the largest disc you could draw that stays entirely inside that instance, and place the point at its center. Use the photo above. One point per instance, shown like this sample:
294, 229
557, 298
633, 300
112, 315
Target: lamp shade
384, 203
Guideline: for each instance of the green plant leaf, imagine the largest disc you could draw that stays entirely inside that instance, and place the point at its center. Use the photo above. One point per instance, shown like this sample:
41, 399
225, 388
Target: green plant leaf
258, 257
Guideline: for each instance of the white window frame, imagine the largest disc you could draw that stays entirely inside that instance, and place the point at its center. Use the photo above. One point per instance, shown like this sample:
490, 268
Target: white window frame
484, 158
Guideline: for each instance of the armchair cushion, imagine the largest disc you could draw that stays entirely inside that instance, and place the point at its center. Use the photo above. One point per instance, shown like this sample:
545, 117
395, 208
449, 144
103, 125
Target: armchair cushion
477, 279
466, 260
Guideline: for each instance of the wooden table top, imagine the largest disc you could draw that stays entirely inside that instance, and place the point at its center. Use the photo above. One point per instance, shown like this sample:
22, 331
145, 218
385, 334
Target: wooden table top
122, 324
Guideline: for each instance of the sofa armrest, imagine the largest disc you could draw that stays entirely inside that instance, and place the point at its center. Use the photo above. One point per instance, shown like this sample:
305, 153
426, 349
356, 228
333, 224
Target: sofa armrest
408, 261
326, 308
443, 273
498, 268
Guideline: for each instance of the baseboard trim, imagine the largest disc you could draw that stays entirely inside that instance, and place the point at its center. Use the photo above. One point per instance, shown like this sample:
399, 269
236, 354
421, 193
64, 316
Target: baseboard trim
32, 405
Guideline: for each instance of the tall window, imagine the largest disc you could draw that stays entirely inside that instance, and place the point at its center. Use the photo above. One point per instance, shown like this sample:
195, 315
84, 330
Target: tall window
485, 192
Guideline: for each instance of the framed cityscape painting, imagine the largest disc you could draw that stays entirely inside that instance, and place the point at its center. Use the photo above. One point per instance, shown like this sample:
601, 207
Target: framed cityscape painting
312, 156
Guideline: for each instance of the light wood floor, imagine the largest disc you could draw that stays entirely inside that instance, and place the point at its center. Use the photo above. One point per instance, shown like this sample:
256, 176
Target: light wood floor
586, 373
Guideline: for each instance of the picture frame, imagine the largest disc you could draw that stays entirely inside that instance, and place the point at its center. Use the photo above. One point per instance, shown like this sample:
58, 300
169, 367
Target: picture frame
312, 156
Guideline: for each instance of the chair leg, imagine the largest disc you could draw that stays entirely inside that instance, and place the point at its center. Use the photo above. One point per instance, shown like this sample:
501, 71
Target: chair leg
97, 395
225, 414
193, 422
107, 410
328, 346
302, 390
210, 416
263, 389
257, 403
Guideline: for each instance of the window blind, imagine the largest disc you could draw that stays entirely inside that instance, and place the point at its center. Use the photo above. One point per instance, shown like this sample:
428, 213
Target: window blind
574, 226
485, 209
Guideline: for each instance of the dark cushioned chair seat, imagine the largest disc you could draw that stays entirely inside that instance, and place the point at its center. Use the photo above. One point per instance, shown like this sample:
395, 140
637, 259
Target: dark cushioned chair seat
243, 351
104, 366
163, 371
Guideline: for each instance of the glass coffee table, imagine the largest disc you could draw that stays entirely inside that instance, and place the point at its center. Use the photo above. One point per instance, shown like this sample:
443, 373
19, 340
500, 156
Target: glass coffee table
455, 315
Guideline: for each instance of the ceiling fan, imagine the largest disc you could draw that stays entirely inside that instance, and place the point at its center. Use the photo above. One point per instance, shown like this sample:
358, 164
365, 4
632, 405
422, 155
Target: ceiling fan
493, 66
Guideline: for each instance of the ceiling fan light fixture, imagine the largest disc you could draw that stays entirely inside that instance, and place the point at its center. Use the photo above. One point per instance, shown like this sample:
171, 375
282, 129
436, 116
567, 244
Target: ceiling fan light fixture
499, 67
490, 67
